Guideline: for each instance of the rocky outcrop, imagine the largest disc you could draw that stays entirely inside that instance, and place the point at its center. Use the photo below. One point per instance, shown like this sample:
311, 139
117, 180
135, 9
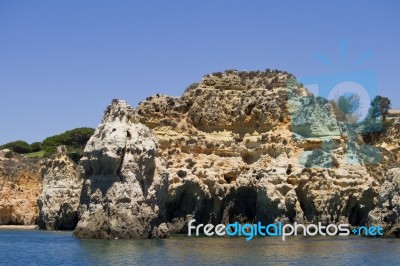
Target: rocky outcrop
387, 213
61, 188
19, 187
389, 145
232, 154
125, 183
237, 146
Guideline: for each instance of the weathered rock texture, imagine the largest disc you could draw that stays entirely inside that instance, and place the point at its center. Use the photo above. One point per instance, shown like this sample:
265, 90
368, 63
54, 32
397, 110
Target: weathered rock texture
237, 146
387, 213
256, 146
19, 187
389, 146
125, 183
61, 189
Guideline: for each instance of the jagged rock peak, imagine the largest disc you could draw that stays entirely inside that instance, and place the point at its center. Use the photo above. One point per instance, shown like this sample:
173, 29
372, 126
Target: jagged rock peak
59, 162
117, 135
62, 150
119, 110
125, 184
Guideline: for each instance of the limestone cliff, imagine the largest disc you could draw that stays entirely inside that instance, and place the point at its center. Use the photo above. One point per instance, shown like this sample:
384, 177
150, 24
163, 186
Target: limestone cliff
256, 146
61, 189
19, 187
387, 213
237, 146
125, 183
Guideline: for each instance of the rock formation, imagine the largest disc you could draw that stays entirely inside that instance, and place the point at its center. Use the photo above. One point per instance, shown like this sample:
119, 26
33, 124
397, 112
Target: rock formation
61, 189
125, 183
237, 146
232, 155
387, 213
19, 187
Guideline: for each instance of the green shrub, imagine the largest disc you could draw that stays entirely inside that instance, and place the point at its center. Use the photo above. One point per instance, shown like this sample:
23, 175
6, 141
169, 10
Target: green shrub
9, 155
36, 146
371, 130
75, 139
372, 127
75, 156
18, 146
380, 107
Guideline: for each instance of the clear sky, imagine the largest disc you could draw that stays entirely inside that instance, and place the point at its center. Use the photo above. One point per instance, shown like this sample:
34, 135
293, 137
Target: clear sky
62, 62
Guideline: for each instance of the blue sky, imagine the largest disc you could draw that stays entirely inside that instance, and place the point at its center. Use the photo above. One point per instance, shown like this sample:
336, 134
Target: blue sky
62, 62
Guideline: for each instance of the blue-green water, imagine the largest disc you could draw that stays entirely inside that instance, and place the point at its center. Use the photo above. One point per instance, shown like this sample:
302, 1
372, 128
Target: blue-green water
61, 248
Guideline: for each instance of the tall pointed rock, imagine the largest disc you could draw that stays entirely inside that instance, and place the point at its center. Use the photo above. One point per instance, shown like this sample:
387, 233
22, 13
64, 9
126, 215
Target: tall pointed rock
125, 183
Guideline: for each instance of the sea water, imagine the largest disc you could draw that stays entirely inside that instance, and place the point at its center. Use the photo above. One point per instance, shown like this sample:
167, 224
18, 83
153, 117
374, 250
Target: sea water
35, 247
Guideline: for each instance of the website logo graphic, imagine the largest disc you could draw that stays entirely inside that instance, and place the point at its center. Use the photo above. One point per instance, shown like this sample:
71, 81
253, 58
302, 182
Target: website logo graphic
249, 231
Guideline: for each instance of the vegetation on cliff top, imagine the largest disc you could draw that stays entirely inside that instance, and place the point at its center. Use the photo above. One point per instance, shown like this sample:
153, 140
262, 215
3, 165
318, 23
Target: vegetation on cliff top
74, 139
374, 124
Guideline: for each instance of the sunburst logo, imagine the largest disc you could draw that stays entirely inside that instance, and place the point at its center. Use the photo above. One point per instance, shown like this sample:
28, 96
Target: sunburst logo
359, 84
343, 62
349, 94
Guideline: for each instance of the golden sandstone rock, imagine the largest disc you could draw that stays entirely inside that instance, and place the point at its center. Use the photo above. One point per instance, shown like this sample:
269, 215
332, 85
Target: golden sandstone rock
237, 146
19, 187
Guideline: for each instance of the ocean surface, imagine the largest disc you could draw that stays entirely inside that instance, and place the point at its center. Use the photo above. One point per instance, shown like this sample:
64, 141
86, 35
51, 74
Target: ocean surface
34, 247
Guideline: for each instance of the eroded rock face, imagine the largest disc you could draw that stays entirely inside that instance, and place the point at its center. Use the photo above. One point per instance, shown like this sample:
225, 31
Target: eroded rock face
232, 155
125, 183
237, 146
19, 187
61, 188
387, 213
